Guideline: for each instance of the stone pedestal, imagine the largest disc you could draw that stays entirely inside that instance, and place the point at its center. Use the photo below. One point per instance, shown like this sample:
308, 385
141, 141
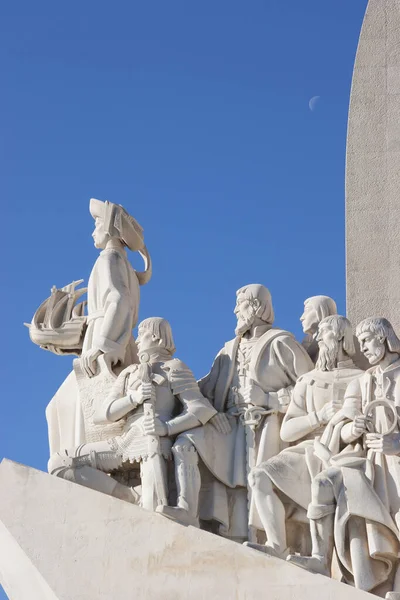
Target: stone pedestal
60, 541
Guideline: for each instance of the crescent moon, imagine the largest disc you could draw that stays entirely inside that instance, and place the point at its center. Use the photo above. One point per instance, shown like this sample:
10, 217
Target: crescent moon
313, 102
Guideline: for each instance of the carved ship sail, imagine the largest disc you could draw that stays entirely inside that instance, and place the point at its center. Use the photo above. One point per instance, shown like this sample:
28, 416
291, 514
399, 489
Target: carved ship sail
59, 323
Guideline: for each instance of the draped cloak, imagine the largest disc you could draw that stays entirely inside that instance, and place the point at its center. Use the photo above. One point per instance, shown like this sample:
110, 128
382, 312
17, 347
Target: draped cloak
294, 468
367, 487
277, 360
113, 304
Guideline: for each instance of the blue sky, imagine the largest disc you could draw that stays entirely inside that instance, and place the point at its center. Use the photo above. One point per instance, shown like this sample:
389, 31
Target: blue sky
195, 117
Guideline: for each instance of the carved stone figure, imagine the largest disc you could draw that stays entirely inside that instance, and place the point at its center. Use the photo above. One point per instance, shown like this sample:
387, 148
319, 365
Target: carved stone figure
282, 485
316, 308
113, 304
155, 401
356, 499
113, 288
250, 385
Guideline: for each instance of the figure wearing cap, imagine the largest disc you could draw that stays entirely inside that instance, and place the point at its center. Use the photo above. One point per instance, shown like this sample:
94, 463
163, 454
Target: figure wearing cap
113, 289
113, 296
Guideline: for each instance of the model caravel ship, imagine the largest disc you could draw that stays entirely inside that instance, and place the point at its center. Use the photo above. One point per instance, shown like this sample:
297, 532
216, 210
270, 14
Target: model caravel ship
59, 323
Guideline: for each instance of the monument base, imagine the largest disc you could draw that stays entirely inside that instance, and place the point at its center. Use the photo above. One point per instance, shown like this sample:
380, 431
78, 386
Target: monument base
60, 541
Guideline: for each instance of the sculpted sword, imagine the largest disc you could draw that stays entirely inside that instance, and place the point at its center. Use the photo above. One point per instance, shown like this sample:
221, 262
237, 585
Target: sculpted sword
155, 459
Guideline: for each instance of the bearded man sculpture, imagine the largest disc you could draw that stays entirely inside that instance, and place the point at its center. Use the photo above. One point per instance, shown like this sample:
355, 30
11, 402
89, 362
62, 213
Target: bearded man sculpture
250, 385
282, 485
316, 309
356, 501
155, 400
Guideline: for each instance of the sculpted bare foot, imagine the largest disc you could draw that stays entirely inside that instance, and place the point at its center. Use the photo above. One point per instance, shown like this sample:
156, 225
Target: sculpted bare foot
315, 564
180, 515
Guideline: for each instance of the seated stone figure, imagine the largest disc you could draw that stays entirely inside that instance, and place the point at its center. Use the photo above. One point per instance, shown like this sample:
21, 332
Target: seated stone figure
283, 483
157, 400
355, 503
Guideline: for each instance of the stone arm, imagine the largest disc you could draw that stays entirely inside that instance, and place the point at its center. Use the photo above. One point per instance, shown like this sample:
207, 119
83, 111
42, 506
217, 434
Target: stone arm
294, 361
297, 422
120, 309
197, 410
208, 383
352, 407
119, 402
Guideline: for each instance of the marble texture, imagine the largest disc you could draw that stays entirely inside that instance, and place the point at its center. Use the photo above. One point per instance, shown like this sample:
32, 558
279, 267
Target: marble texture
131, 422
90, 546
285, 480
372, 171
355, 504
113, 297
250, 385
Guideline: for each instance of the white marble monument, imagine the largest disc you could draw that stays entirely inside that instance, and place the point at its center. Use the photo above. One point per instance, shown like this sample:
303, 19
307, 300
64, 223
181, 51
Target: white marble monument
290, 448
372, 170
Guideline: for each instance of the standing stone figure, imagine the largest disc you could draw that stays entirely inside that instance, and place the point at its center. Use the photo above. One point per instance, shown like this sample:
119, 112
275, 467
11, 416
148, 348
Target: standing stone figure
282, 485
113, 303
250, 384
356, 501
156, 400
316, 308
113, 288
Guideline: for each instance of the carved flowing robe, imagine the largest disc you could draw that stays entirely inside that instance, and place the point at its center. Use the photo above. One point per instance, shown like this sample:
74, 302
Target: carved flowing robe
366, 486
276, 361
293, 469
113, 304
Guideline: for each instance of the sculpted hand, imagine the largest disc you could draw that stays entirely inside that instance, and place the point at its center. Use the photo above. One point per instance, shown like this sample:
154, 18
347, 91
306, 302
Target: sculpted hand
326, 413
221, 423
88, 362
153, 426
359, 426
254, 395
283, 400
388, 444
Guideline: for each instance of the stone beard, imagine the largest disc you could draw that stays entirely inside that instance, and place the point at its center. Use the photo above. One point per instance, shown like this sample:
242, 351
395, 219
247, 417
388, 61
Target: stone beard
251, 378
328, 352
282, 485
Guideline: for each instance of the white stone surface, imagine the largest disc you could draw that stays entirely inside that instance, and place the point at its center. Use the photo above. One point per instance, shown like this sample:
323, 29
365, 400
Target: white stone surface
355, 500
317, 397
133, 419
250, 384
316, 308
60, 541
373, 174
113, 296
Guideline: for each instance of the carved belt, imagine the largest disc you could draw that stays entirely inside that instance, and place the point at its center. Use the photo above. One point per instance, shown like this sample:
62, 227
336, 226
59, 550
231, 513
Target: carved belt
252, 415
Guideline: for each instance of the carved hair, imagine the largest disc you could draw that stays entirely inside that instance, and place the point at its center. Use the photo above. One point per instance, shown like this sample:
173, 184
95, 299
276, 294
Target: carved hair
324, 306
382, 328
343, 331
161, 329
256, 291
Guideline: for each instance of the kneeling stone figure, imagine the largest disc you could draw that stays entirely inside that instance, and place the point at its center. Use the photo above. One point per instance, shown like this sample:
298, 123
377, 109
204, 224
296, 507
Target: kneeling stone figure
157, 399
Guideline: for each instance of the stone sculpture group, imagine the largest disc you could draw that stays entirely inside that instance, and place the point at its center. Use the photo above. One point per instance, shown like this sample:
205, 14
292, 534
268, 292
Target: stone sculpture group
288, 447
